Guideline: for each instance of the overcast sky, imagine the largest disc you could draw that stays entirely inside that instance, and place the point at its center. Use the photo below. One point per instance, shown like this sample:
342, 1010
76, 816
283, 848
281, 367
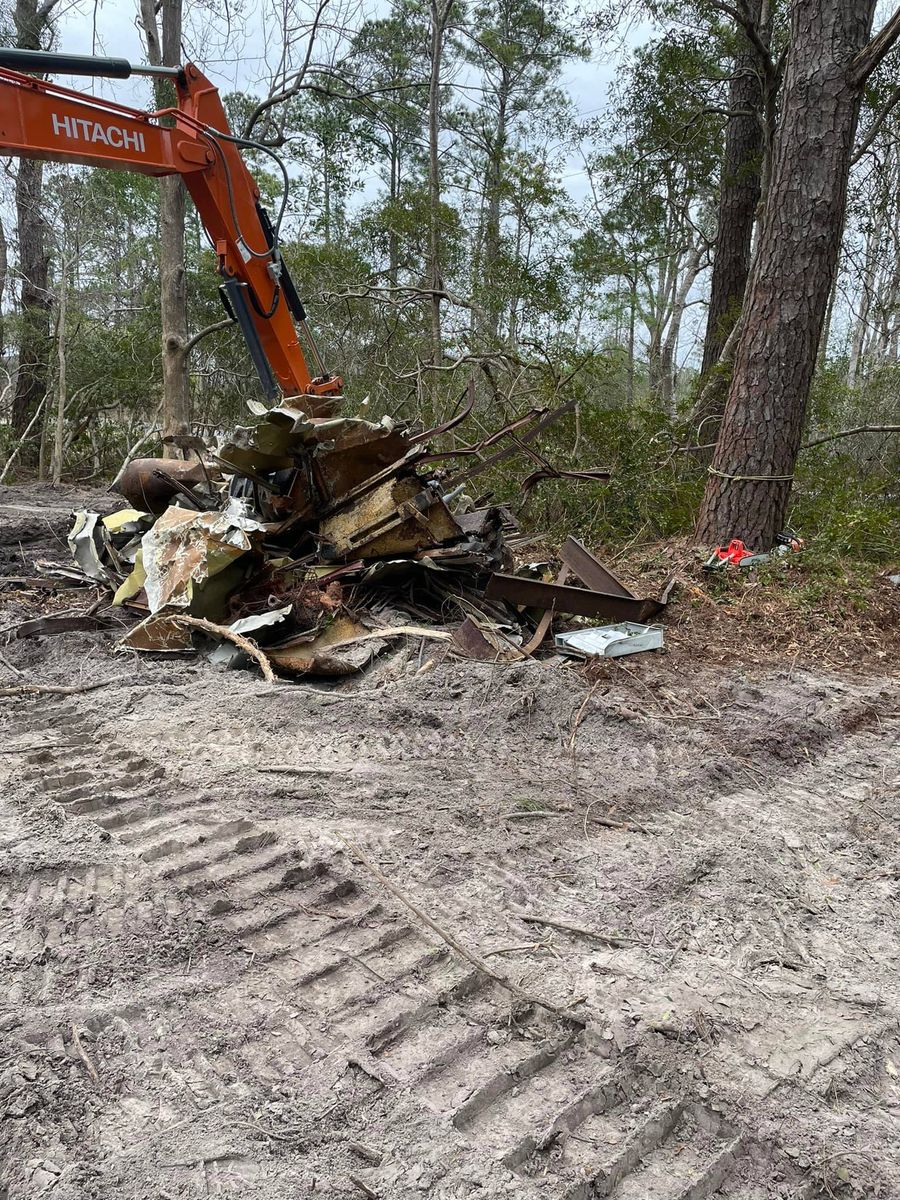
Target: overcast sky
233, 55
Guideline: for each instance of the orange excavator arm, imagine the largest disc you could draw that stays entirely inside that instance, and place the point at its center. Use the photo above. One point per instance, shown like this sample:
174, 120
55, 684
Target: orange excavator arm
40, 119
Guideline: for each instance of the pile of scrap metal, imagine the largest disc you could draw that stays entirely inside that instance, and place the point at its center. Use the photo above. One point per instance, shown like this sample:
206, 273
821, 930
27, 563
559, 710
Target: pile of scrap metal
324, 539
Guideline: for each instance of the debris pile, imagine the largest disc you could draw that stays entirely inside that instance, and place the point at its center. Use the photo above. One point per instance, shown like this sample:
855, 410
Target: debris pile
736, 554
321, 540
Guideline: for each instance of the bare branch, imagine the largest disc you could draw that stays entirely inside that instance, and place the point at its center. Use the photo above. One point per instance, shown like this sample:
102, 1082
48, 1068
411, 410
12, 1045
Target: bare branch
192, 342
833, 437
229, 635
22, 440
874, 129
495, 356
742, 18
151, 32
400, 295
46, 9
876, 51
288, 90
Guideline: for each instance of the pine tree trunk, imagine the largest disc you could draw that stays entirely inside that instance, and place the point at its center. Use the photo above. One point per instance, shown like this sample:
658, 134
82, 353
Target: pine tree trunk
440, 14
739, 193
326, 196
34, 299
4, 276
632, 332
176, 414
488, 289
56, 461
861, 326
655, 318
668, 373
163, 40
794, 267
393, 239
35, 345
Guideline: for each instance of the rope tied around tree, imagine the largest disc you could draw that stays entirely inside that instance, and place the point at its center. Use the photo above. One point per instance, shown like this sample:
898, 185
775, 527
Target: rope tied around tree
751, 478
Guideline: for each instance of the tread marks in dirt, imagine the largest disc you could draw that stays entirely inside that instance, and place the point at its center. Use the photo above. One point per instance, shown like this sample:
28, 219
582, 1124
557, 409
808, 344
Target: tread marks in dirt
331, 971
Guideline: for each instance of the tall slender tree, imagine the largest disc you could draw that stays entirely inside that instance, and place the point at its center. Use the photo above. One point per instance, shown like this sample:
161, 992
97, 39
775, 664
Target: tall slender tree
387, 54
441, 11
161, 23
739, 184
830, 58
653, 192
518, 48
32, 21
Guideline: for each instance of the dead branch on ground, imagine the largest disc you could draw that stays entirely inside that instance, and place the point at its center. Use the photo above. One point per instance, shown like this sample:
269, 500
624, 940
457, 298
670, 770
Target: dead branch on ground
52, 689
229, 635
476, 960
611, 939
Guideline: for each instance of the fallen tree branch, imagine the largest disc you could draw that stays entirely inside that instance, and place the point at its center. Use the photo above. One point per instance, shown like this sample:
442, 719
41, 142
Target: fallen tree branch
32, 746
608, 822
53, 689
389, 631
516, 448
286, 770
229, 635
451, 941
83, 1055
628, 826
520, 814
611, 939
4, 662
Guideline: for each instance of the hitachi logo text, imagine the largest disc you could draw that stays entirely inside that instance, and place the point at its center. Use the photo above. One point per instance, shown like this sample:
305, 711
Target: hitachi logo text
93, 131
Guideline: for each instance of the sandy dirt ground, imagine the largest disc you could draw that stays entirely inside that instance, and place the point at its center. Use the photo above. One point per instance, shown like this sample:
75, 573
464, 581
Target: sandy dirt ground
666, 897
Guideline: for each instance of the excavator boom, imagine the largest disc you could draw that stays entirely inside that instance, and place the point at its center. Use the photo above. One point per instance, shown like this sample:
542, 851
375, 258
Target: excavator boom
41, 119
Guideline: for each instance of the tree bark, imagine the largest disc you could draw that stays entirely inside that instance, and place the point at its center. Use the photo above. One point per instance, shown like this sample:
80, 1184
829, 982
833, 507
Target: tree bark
4, 276
163, 39
793, 270
440, 15
668, 364
56, 462
739, 193
861, 325
632, 336
654, 319
34, 297
824, 340
35, 346
493, 184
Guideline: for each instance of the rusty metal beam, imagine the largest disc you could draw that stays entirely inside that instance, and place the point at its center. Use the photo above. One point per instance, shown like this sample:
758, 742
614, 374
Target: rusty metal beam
469, 396
591, 571
579, 602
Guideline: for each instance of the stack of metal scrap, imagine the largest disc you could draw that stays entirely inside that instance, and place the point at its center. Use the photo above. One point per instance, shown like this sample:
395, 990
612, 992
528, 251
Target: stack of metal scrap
318, 537
322, 539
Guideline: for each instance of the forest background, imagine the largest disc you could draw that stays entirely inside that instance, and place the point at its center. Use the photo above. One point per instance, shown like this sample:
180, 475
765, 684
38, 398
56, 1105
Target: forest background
563, 204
